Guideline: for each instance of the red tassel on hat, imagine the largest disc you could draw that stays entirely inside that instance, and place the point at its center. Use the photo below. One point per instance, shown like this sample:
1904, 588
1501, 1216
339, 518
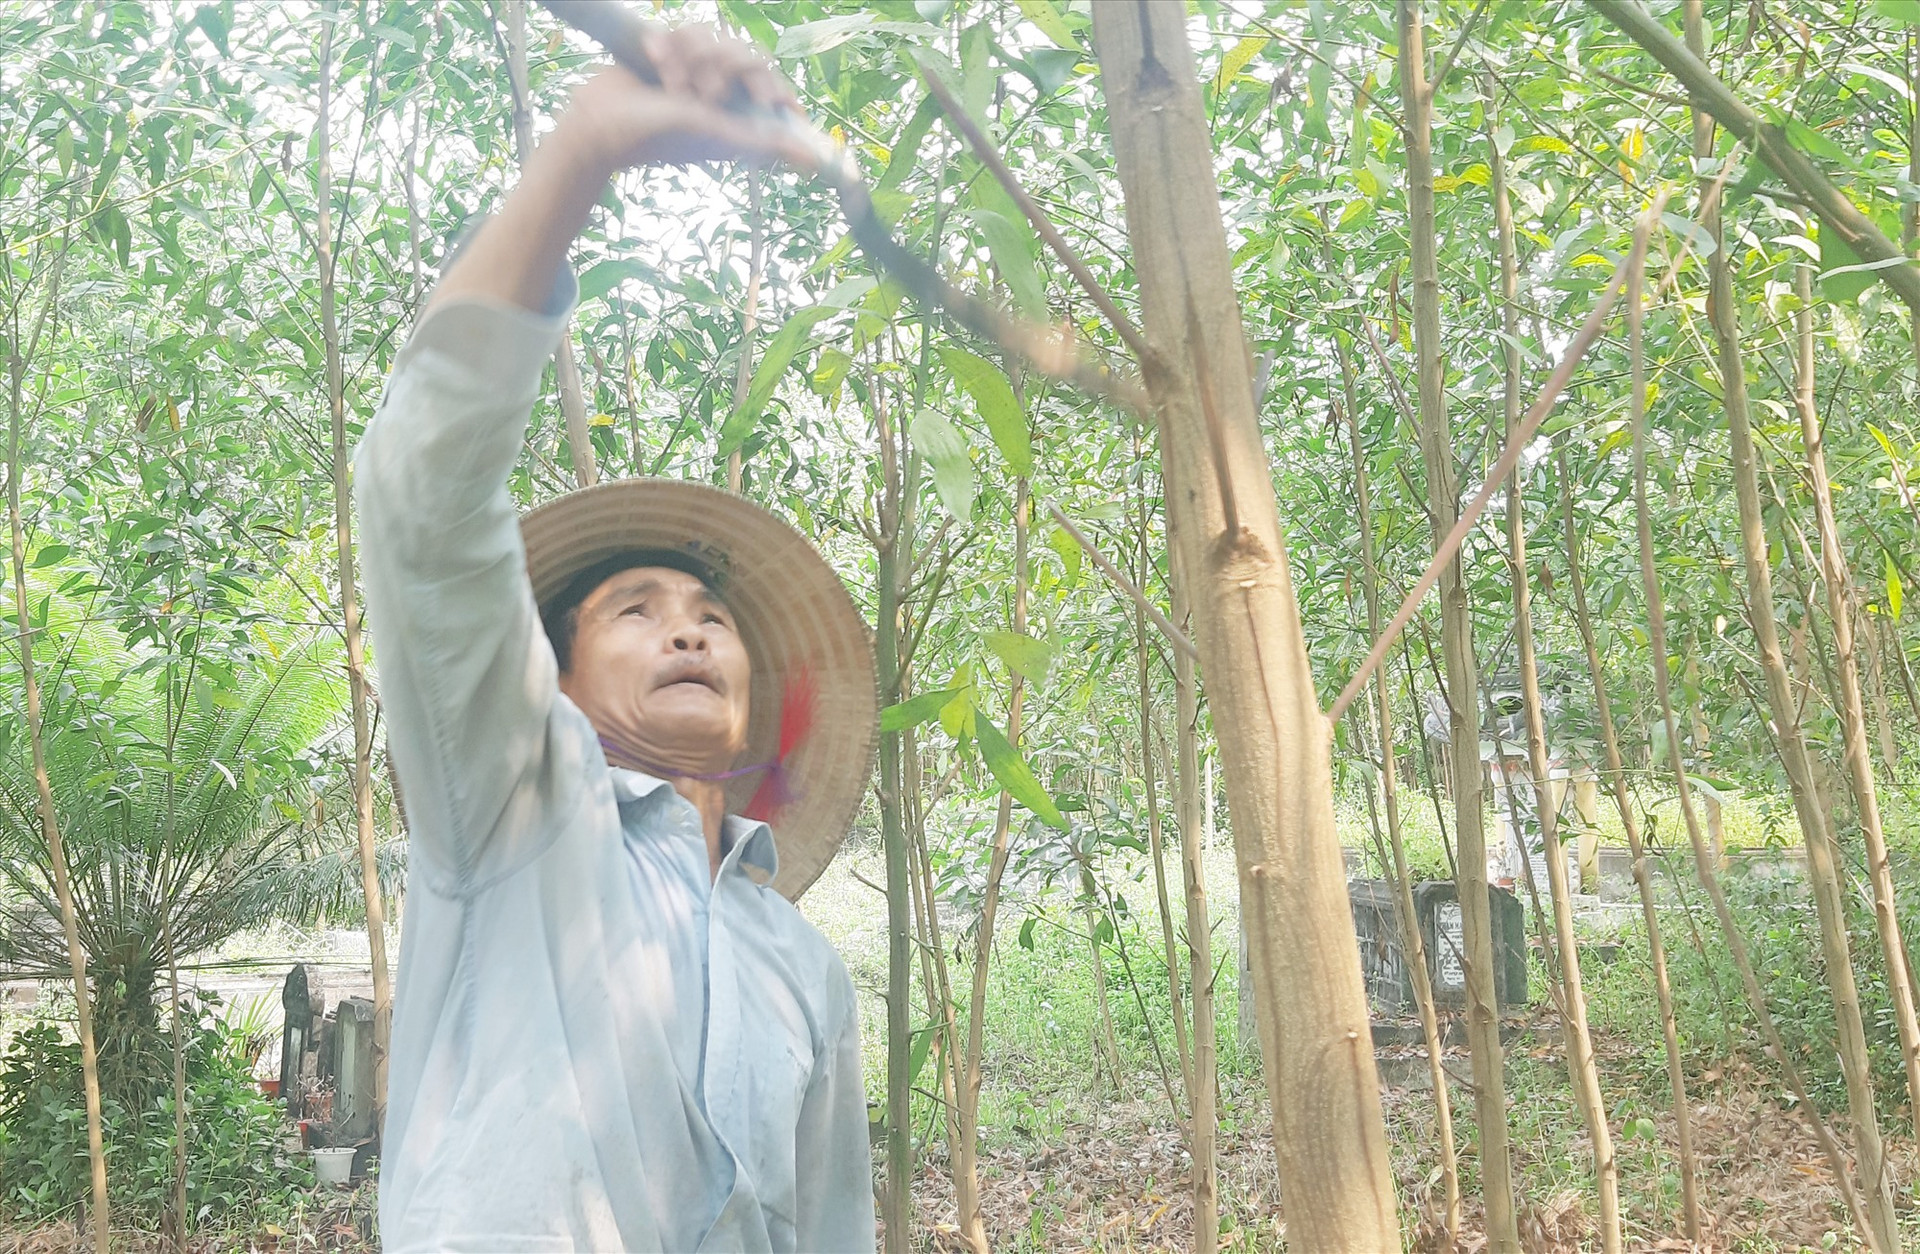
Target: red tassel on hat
797, 702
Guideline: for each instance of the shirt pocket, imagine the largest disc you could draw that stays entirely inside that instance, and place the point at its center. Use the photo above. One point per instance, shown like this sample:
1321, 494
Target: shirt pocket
779, 1091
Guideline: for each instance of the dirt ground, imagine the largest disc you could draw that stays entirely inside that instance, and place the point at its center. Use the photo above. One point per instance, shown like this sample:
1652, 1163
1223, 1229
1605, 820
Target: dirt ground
1117, 1180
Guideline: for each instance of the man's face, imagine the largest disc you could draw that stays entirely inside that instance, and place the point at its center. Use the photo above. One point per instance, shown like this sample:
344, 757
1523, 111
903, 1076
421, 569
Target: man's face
659, 668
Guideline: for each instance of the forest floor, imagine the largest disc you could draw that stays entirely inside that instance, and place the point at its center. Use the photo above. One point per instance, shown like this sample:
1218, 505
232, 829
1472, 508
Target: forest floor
1072, 1161
1115, 1178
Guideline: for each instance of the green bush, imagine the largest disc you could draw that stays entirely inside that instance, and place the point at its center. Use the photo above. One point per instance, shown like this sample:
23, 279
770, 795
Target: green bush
232, 1135
1776, 916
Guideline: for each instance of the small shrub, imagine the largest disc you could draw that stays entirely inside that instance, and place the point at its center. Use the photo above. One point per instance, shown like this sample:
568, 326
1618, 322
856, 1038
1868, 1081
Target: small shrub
232, 1135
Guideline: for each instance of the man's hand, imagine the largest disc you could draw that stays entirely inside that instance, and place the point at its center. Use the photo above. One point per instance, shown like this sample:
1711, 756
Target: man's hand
718, 100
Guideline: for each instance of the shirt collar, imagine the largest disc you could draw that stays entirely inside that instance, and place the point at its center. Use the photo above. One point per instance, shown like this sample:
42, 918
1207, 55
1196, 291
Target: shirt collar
748, 841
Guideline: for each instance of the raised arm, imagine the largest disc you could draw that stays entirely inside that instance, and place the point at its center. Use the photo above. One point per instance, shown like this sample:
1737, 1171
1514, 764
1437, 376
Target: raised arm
718, 100
467, 679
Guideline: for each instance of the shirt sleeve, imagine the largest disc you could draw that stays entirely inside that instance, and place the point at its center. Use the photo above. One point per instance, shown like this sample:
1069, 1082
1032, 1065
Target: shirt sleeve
833, 1185
467, 679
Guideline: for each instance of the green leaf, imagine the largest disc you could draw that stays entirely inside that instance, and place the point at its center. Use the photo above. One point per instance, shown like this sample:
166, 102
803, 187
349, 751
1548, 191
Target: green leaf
1009, 242
1026, 932
1013, 772
941, 443
49, 554
810, 39
603, 276
1042, 14
1704, 245
1070, 557
1542, 143
1896, 595
1025, 656
915, 710
907, 146
1842, 278
1237, 59
781, 350
917, 1054
956, 716
1813, 142
998, 407
1885, 444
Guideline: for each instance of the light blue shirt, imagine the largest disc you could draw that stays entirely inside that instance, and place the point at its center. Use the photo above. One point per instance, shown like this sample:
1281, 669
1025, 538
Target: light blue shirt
594, 1047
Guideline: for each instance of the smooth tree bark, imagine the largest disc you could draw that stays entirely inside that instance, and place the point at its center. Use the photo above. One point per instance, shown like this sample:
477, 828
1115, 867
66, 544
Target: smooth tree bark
566, 370
349, 596
1204, 1072
1329, 1138
966, 1172
1405, 915
1456, 642
1853, 716
749, 319
893, 545
1106, 1047
176, 1219
1872, 1221
1582, 1067
1149, 783
1642, 871
1797, 758
945, 1046
24, 349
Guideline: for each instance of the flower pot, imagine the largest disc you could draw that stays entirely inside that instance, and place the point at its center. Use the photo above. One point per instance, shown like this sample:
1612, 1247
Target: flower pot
333, 1165
270, 1088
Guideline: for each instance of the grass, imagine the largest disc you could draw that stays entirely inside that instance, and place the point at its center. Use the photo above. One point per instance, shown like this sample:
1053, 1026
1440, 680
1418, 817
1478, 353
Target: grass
1075, 1158
1044, 1094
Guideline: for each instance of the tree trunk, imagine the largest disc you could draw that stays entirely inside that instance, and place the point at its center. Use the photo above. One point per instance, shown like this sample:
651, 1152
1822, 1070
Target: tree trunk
1462, 669
1797, 759
1877, 693
1329, 1139
966, 1177
940, 1011
894, 546
1642, 873
1150, 785
1663, 687
1104, 1044
1206, 799
1853, 715
23, 351
1201, 1078
1411, 939
749, 320
566, 372
349, 598
1583, 1070
177, 1220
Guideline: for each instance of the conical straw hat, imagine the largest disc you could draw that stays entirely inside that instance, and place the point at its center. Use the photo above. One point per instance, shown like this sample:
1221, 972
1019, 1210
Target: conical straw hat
794, 615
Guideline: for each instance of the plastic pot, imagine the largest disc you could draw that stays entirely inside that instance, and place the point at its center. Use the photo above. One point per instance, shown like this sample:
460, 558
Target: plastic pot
333, 1165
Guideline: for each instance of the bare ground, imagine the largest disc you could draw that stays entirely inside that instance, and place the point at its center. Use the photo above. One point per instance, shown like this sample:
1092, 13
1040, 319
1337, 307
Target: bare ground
1117, 1179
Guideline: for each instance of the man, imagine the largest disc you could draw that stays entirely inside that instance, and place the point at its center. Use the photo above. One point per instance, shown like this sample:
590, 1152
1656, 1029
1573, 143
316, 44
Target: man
613, 1030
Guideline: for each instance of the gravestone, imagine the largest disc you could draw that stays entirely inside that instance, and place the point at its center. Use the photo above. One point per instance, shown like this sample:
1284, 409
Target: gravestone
1616, 873
1436, 907
304, 1001
1383, 959
350, 1057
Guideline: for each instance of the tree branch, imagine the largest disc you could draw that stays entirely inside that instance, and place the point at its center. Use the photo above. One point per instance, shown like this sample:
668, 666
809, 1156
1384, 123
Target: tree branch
1796, 169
